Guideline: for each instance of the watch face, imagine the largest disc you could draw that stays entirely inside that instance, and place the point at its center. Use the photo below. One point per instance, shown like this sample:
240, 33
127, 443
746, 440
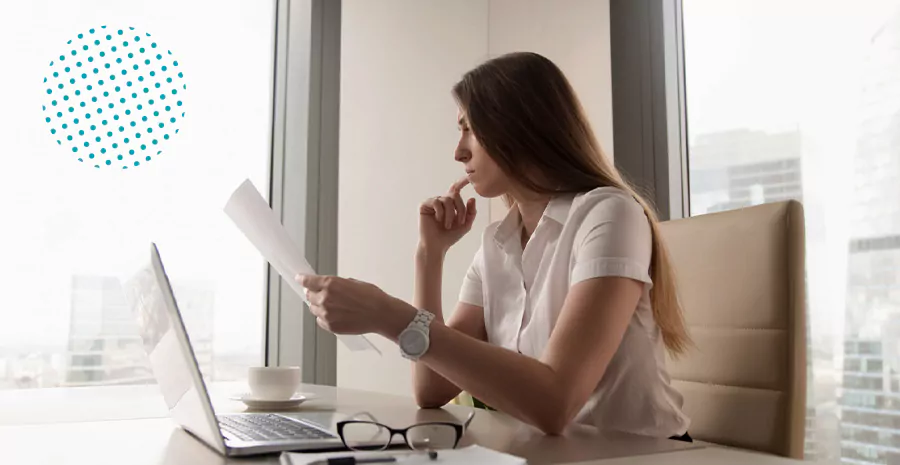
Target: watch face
413, 342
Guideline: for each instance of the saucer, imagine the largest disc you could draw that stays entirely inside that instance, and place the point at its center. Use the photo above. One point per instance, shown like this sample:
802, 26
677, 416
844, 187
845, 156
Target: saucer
270, 404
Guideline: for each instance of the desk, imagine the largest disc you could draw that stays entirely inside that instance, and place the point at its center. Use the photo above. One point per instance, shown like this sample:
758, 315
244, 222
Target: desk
158, 441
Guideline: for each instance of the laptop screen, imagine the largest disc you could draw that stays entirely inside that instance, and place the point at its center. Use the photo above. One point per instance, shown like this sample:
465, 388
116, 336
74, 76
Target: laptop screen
168, 347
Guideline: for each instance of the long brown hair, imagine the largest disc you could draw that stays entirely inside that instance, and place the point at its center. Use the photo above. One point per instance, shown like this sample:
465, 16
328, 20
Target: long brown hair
526, 115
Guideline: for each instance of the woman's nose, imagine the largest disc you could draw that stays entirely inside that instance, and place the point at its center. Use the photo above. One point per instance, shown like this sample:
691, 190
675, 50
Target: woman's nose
462, 155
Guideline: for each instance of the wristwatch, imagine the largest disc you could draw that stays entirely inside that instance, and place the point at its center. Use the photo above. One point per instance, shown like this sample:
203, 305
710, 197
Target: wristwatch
413, 340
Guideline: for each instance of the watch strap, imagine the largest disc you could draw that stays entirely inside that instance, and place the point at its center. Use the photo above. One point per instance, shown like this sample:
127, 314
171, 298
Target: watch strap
421, 324
422, 320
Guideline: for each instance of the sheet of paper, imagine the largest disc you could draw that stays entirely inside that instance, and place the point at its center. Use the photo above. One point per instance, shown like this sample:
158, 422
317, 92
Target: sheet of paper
252, 215
464, 456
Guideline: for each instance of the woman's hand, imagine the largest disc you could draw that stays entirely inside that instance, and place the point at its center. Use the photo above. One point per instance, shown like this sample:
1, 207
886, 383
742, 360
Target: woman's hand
444, 220
348, 306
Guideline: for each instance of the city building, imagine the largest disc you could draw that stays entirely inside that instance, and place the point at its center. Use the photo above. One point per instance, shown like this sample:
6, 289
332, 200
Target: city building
104, 346
740, 168
870, 400
870, 405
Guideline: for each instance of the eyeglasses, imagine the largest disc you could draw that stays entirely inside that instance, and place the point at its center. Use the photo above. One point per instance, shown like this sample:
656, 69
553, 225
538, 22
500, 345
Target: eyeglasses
371, 435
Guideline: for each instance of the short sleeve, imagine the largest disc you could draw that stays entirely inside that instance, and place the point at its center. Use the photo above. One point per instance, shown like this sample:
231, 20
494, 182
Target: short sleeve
614, 239
472, 291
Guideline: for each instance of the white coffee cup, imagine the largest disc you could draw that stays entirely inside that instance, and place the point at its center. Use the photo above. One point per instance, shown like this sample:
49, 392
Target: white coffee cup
273, 383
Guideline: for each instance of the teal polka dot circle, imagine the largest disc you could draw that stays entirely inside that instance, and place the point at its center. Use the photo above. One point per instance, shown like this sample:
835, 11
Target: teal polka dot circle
87, 108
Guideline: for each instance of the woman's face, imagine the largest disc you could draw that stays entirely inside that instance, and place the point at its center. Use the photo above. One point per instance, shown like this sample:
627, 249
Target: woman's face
484, 174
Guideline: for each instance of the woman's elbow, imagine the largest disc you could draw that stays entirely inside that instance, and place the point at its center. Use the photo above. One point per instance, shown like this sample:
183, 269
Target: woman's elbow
426, 402
555, 420
427, 399
554, 425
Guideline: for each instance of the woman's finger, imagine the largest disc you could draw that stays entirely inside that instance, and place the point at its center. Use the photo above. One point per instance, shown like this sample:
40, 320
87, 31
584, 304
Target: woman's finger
313, 299
449, 211
459, 184
470, 212
460, 209
427, 207
315, 309
438, 209
313, 282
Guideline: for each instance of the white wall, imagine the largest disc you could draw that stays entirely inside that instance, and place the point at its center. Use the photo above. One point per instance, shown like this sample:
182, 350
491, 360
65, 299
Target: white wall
399, 59
572, 33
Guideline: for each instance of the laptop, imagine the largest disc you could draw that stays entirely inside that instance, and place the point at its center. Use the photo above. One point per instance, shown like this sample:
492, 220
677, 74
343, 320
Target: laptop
176, 371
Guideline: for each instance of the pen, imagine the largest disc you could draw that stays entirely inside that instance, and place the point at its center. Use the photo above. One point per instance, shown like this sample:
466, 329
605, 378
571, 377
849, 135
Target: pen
351, 460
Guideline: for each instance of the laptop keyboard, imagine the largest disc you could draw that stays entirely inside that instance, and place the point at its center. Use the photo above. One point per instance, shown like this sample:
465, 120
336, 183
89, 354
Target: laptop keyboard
267, 427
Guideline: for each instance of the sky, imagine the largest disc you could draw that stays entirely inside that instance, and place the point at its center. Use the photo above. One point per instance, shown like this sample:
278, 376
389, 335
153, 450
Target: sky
775, 64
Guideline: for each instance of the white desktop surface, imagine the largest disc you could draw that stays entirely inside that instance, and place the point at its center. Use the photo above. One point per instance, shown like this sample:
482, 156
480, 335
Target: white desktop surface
48, 427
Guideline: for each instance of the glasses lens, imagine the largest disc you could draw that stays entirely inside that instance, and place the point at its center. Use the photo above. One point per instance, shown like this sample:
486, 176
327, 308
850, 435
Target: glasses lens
431, 436
366, 436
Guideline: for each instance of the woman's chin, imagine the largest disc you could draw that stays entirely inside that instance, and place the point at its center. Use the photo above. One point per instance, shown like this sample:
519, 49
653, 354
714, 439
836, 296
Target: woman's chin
485, 191
478, 190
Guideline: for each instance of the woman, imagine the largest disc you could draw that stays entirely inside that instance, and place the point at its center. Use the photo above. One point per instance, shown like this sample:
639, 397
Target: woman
569, 304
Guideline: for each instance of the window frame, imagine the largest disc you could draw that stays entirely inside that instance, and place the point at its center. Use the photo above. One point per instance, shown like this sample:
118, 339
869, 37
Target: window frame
649, 109
304, 176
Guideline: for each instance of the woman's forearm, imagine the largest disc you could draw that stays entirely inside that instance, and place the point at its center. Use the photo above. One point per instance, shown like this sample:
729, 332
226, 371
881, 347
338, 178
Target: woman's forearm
429, 272
547, 393
431, 389
513, 383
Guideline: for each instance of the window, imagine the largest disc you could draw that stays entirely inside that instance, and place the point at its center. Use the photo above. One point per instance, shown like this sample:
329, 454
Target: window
70, 230
800, 100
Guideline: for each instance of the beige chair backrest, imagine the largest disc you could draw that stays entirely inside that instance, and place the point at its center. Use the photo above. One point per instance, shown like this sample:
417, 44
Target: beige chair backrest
741, 282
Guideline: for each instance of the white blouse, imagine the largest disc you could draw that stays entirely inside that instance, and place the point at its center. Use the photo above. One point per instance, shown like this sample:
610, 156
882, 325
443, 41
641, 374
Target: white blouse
603, 232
